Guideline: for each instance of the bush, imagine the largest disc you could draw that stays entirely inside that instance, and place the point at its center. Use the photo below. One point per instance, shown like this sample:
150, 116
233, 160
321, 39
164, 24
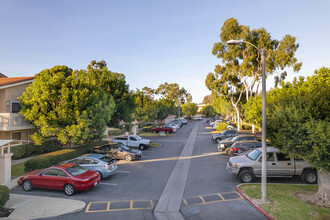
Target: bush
50, 159
115, 131
4, 195
221, 126
147, 129
246, 127
26, 150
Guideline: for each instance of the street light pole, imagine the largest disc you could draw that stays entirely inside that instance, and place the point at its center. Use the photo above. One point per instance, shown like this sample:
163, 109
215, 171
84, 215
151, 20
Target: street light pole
263, 137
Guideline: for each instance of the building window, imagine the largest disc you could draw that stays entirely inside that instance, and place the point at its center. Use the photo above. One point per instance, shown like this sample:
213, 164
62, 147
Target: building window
15, 107
21, 135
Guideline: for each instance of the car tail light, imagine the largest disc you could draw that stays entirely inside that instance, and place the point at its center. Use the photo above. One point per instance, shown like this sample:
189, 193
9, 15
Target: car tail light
85, 180
235, 149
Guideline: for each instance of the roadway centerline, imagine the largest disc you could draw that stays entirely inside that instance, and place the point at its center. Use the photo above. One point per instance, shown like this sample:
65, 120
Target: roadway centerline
169, 204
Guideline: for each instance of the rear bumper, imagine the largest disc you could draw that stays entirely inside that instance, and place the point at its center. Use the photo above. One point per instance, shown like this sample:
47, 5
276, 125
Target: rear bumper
88, 185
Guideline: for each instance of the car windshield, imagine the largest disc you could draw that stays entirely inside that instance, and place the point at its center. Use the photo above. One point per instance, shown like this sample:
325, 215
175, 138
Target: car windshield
138, 137
253, 155
76, 170
106, 159
124, 147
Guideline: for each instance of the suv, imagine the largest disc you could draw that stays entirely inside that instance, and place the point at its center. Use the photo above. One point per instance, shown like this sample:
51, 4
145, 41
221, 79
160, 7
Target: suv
224, 135
248, 166
225, 144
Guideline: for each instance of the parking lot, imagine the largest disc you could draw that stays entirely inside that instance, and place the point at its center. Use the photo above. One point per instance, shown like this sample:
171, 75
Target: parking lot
135, 189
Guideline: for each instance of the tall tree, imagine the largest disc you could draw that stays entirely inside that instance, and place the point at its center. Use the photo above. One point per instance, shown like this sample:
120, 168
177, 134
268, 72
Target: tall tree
115, 85
241, 69
145, 107
63, 104
298, 123
173, 92
189, 109
165, 107
208, 111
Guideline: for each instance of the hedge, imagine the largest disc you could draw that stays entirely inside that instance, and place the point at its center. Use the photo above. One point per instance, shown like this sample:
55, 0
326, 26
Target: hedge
56, 157
221, 126
26, 150
116, 131
4, 195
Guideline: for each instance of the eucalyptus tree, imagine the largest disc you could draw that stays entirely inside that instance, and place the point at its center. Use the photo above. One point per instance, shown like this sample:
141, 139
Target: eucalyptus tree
240, 70
172, 91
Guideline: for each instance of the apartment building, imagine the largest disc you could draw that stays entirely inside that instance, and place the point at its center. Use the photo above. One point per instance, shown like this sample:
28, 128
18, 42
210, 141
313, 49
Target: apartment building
12, 123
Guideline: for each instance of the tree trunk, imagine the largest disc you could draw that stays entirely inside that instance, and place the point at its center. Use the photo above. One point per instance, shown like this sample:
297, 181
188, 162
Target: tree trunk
253, 128
322, 197
238, 118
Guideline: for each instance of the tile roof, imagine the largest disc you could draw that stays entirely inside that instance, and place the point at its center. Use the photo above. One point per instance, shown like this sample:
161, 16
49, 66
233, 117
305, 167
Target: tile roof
14, 80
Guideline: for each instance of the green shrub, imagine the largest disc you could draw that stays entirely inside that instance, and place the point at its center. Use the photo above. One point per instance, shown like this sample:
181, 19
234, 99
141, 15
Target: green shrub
115, 131
246, 127
221, 126
26, 150
53, 158
4, 195
147, 129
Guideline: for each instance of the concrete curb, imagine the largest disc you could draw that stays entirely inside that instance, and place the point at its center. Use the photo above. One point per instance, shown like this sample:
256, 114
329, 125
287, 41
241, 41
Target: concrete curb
253, 203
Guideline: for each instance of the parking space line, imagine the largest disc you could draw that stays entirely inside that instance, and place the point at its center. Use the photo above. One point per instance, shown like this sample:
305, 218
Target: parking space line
122, 171
185, 201
110, 184
202, 199
146, 204
221, 198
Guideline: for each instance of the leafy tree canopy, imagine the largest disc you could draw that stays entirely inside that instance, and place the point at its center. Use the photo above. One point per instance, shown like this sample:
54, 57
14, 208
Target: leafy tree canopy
298, 120
145, 107
173, 92
165, 107
66, 105
208, 111
189, 109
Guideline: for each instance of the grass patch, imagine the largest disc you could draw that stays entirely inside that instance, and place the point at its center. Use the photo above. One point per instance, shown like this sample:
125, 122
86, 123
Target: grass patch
284, 203
155, 145
18, 169
149, 134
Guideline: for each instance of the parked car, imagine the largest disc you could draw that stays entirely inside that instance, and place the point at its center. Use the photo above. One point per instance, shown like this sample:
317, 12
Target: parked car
248, 166
224, 135
118, 151
68, 177
225, 144
240, 146
183, 120
164, 128
134, 141
100, 163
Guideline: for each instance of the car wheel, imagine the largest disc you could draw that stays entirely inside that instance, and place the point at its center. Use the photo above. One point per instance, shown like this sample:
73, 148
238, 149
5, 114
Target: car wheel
128, 157
153, 131
309, 177
69, 189
27, 185
246, 176
142, 147
167, 132
100, 174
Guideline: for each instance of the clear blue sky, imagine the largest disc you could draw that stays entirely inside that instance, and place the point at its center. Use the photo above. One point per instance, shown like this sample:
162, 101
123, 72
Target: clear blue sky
151, 42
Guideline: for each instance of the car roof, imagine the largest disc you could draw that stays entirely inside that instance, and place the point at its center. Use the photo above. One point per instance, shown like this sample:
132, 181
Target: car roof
64, 165
268, 149
96, 156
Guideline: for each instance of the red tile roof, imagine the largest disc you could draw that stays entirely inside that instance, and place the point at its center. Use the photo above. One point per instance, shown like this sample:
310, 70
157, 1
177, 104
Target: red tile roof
13, 80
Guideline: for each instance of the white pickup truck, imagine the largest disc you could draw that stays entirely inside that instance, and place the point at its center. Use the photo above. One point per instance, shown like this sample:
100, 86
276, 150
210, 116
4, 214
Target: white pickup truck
133, 141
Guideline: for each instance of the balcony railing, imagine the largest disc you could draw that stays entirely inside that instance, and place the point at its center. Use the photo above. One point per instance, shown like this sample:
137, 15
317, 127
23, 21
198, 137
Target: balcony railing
12, 122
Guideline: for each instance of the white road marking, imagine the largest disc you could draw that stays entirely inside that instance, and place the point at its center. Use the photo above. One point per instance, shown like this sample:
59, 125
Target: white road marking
122, 171
22, 203
110, 184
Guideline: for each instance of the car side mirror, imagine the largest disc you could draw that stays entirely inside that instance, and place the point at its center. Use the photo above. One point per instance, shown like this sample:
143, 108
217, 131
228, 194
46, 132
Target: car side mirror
259, 160
40, 174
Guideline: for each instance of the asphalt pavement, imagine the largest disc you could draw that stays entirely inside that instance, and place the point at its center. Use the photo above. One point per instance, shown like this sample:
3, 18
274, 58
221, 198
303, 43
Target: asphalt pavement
208, 190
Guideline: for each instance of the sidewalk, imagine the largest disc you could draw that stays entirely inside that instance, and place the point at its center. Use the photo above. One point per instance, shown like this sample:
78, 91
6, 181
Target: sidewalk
32, 207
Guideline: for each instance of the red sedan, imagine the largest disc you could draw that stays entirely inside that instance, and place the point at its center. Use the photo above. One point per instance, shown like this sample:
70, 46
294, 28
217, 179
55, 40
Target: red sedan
68, 177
